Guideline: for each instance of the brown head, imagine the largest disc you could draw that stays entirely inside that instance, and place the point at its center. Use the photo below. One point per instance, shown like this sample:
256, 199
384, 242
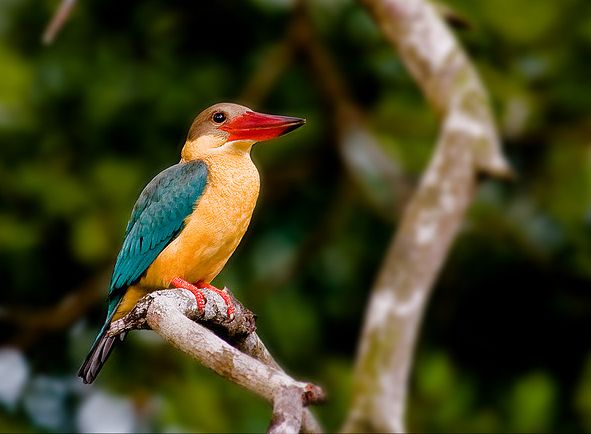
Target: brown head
233, 128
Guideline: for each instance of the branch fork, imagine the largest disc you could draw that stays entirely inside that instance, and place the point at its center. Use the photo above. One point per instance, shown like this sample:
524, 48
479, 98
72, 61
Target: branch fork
231, 348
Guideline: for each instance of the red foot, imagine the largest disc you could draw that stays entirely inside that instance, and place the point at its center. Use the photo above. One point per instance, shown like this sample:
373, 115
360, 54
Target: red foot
177, 282
231, 309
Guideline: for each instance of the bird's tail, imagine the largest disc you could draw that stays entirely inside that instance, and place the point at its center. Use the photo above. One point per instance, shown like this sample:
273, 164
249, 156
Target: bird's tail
98, 355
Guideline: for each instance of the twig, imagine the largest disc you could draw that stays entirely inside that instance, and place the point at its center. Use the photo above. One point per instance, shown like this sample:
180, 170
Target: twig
55, 317
170, 313
275, 61
380, 178
467, 145
57, 21
31, 324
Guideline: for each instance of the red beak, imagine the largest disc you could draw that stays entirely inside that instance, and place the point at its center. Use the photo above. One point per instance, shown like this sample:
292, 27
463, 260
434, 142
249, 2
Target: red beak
259, 126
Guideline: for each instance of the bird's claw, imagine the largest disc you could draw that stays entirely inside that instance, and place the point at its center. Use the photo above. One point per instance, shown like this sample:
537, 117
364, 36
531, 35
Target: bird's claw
177, 282
196, 290
222, 293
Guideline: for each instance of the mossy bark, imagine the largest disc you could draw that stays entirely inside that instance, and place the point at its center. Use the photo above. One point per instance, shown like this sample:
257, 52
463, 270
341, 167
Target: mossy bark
467, 145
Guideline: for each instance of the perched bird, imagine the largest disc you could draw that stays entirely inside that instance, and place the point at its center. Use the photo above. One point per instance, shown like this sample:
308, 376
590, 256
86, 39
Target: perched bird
190, 218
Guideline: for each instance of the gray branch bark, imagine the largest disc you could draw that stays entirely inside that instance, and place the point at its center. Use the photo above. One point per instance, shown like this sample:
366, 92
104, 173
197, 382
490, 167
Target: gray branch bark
287, 412
467, 145
172, 314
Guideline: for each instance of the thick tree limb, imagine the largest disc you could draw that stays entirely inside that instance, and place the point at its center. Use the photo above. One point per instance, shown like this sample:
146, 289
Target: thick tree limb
467, 145
172, 314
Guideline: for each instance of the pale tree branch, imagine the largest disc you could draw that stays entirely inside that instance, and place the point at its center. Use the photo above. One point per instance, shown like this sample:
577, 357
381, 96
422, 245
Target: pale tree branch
467, 145
173, 313
287, 412
58, 20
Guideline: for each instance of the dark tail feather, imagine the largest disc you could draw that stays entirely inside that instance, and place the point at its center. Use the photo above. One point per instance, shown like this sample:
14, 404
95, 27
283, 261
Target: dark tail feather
98, 355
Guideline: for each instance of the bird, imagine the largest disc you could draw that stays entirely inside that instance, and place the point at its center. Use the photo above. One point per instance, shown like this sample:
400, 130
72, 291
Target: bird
190, 218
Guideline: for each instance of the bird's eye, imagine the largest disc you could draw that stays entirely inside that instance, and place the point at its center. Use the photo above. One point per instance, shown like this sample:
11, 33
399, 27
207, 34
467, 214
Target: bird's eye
219, 117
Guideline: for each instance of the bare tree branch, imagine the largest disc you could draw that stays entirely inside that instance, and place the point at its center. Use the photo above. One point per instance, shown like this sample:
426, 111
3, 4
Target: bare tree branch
381, 180
172, 314
287, 412
276, 60
31, 324
444, 73
57, 21
467, 144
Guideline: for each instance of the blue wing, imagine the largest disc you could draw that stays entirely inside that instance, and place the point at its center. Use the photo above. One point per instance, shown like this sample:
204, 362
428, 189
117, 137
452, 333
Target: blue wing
156, 220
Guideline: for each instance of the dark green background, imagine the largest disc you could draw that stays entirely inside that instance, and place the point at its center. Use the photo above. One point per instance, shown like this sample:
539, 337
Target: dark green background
87, 121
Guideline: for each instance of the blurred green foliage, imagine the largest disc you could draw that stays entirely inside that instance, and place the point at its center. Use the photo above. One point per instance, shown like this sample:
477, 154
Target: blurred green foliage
87, 121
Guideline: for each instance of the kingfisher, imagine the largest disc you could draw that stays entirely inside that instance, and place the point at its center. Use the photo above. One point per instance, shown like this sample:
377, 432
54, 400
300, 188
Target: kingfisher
190, 217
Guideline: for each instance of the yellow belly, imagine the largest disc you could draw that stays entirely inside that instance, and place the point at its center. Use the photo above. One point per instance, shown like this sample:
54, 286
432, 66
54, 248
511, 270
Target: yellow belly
211, 234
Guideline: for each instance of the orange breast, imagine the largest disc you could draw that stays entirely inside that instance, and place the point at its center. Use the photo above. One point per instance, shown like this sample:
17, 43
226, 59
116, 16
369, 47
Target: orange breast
216, 226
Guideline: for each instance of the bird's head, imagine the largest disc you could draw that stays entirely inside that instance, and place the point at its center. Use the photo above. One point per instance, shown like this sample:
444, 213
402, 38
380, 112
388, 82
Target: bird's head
232, 128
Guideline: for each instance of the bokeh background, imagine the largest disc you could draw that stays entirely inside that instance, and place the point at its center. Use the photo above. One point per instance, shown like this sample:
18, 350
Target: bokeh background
87, 121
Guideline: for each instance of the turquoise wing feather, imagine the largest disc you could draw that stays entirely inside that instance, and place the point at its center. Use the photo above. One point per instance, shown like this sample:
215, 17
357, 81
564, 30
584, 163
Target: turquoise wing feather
156, 220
